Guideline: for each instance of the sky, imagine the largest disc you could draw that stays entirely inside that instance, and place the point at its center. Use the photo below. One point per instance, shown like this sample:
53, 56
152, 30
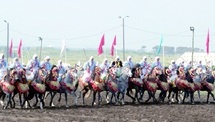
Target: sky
83, 22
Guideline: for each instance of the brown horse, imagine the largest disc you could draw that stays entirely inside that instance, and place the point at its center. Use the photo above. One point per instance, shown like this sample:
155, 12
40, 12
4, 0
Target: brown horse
94, 84
135, 83
37, 87
151, 82
22, 88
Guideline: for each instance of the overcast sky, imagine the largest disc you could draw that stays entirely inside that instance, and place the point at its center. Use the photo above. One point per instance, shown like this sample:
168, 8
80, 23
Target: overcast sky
83, 22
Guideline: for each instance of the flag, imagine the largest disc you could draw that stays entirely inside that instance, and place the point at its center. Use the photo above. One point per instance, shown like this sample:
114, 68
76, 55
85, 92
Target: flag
63, 47
207, 43
159, 48
19, 48
11, 48
112, 47
102, 43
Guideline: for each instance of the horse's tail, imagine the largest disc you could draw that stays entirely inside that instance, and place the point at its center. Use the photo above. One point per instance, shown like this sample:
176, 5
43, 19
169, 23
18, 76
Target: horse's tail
89, 94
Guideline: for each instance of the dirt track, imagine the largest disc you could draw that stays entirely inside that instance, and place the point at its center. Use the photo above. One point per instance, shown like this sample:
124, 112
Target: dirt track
129, 112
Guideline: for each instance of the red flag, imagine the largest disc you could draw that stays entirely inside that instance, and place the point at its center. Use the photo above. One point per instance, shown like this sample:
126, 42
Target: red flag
102, 43
11, 48
112, 47
19, 48
207, 43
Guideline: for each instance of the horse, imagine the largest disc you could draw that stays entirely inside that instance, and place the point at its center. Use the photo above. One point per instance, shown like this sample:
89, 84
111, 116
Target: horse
37, 86
111, 84
135, 82
181, 84
52, 85
163, 83
94, 83
122, 83
150, 82
68, 85
204, 82
7, 87
22, 88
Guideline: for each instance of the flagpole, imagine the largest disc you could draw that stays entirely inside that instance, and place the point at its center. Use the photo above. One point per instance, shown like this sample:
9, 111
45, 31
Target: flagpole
22, 55
116, 50
65, 54
163, 56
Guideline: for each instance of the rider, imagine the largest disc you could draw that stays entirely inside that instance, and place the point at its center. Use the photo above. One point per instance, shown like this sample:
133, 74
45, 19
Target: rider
173, 67
46, 64
117, 63
16, 64
199, 65
157, 63
188, 66
61, 70
34, 64
145, 67
128, 63
91, 64
3, 66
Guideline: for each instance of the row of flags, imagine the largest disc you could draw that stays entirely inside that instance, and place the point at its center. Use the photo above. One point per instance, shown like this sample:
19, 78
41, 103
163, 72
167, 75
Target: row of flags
207, 44
18, 50
102, 43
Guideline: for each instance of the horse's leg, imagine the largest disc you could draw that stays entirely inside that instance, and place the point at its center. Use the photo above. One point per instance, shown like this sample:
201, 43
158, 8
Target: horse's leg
8, 100
42, 104
59, 99
83, 96
136, 95
35, 104
14, 103
67, 106
128, 94
20, 99
107, 98
94, 98
75, 97
191, 97
25, 98
52, 97
149, 96
212, 95
199, 95
185, 95
99, 99
2, 96
208, 97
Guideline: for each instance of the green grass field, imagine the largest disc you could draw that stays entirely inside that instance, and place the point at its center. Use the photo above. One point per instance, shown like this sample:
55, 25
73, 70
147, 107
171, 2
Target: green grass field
73, 56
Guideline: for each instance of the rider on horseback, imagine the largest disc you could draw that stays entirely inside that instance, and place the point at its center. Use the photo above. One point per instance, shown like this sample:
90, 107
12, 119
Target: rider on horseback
34, 64
46, 64
145, 67
16, 64
117, 63
61, 70
128, 63
89, 67
157, 63
104, 68
3, 66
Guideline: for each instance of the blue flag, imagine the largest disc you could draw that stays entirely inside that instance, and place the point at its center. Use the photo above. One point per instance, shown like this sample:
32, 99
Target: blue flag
159, 48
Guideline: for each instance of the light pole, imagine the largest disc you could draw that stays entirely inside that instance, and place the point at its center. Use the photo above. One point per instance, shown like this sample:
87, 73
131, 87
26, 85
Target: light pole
123, 35
41, 40
7, 38
192, 29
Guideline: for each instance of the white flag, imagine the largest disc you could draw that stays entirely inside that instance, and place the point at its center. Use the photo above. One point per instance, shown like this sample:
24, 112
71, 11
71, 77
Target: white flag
63, 48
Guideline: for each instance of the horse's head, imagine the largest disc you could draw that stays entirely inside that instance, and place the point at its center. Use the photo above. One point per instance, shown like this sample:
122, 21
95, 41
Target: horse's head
97, 70
71, 74
191, 71
112, 72
136, 70
156, 71
12, 76
54, 72
167, 71
22, 75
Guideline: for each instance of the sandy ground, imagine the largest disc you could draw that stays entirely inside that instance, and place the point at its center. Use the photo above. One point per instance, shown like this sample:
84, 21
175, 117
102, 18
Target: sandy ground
162, 112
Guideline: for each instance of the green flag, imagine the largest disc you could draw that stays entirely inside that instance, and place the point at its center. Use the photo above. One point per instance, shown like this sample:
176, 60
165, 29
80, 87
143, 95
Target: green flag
159, 48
